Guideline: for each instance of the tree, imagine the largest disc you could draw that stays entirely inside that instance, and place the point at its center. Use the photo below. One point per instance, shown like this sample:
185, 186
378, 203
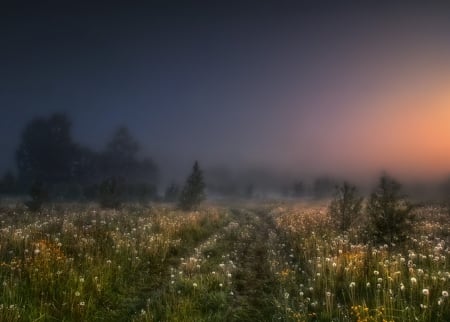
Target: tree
46, 151
390, 214
120, 154
193, 192
120, 158
346, 205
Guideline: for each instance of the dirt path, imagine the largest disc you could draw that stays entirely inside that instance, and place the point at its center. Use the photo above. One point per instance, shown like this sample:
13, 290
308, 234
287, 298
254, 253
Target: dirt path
253, 281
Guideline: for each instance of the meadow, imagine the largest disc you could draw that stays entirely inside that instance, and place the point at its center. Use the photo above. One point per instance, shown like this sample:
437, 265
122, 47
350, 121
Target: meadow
275, 261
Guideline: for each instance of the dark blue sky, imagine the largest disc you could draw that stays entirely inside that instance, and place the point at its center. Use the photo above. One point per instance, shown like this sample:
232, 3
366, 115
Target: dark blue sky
274, 84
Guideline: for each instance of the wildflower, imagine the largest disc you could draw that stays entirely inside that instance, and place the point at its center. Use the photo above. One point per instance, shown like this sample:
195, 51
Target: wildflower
376, 273
444, 293
82, 303
194, 284
413, 280
77, 294
425, 292
352, 284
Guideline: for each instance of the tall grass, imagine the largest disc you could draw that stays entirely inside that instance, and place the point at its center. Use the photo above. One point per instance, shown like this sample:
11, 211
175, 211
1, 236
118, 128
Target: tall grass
333, 276
86, 264
272, 263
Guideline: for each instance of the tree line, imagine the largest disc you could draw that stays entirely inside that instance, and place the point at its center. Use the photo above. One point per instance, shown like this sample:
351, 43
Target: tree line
51, 165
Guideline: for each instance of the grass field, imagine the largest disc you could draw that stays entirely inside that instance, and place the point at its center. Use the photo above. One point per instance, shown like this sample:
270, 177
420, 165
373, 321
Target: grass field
267, 262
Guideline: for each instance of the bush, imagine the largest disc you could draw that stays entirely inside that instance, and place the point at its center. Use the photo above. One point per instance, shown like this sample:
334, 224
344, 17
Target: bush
346, 206
389, 212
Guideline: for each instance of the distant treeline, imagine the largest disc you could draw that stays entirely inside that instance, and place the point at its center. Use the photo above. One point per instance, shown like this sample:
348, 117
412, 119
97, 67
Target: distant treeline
49, 158
47, 155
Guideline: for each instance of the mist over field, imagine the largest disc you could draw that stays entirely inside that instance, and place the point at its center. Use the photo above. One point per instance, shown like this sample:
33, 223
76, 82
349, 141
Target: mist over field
231, 161
303, 89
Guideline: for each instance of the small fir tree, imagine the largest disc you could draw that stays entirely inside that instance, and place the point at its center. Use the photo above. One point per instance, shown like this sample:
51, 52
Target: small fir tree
193, 192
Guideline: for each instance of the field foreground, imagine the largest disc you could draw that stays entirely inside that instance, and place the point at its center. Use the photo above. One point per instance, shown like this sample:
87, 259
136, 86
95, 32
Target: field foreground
271, 262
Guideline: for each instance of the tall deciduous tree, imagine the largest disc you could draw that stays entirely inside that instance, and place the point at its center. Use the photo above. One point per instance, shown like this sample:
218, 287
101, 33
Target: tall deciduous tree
46, 151
120, 159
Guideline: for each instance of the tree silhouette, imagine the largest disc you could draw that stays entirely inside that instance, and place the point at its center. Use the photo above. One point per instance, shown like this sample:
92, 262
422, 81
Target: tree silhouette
46, 151
120, 158
193, 192
120, 154
389, 213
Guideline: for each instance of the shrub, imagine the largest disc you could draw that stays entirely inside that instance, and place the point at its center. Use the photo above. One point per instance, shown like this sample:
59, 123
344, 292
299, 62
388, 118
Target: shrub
346, 205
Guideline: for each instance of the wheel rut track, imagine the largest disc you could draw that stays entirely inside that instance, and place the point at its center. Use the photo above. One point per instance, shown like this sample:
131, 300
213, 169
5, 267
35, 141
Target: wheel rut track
253, 281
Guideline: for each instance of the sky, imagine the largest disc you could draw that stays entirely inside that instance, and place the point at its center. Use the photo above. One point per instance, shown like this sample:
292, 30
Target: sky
300, 87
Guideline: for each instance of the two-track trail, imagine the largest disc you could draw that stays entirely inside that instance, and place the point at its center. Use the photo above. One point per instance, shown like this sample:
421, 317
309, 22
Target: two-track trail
228, 277
254, 283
